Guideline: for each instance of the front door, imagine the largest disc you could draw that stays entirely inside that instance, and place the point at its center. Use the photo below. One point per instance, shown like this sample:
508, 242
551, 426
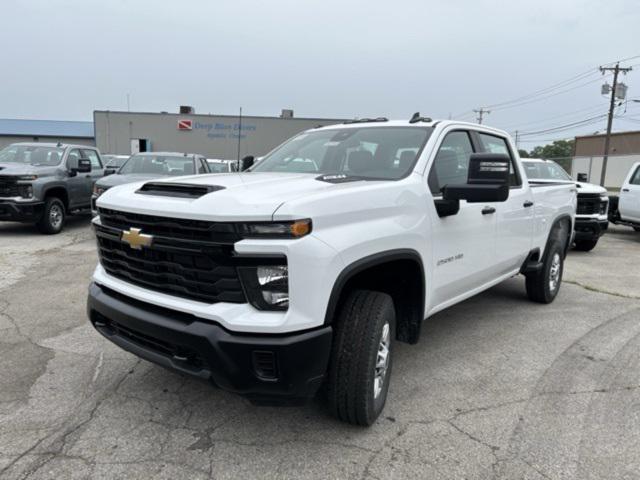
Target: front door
78, 185
629, 203
464, 243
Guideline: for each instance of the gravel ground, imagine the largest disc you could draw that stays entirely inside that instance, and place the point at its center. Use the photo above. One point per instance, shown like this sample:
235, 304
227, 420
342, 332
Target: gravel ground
498, 387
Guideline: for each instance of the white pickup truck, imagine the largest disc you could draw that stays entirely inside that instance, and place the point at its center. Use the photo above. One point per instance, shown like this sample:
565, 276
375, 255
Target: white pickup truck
306, 269
593, 201
625, 210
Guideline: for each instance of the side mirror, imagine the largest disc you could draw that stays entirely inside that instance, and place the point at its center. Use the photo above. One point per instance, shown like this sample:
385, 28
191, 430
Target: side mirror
109, 171
246, 162
79, 165
487, 181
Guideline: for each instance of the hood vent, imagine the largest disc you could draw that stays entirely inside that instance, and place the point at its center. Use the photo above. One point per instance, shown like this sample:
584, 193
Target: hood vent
182, 190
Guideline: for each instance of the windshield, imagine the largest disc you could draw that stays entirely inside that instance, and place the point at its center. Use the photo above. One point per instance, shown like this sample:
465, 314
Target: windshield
378, 153
218, 167
32, 155
113, 161
545, 171
158, 165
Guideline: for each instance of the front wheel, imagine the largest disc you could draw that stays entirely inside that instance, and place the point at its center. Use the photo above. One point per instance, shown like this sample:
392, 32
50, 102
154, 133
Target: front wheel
586, 245
53, 216
543, 285
360, 364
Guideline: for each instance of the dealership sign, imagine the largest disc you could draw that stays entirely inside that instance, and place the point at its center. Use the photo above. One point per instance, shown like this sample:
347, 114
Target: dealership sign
185, 125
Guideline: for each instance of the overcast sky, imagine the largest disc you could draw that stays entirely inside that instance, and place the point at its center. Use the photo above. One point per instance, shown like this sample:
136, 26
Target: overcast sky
62, 59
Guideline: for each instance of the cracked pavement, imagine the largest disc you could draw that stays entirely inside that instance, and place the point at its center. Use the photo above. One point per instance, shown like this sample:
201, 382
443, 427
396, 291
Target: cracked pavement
498, 387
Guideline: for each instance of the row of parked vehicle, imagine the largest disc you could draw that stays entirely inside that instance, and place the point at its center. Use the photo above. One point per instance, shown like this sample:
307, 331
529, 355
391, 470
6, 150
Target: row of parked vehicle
43, 183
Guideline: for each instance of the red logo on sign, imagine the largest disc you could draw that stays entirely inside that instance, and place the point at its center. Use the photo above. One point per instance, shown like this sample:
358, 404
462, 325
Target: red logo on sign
185, 125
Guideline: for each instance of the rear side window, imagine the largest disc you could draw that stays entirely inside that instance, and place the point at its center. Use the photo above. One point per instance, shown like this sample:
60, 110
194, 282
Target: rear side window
635, 178
493, 144
93, 156
451, 165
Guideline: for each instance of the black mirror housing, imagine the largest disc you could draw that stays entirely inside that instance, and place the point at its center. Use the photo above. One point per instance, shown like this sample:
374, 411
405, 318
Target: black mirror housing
79, 165
488, 169
247, 162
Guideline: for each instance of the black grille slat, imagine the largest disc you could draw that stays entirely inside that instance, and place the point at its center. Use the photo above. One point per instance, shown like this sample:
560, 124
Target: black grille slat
8, 187
175, 228
201, 269
589, 203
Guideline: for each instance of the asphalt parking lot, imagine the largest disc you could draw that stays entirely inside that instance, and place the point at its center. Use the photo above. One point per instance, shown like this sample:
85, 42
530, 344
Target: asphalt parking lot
498, 387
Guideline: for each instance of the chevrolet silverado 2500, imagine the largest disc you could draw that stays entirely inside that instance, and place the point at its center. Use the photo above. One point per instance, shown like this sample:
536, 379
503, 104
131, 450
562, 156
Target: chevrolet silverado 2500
305, 270
42, 183
593, 201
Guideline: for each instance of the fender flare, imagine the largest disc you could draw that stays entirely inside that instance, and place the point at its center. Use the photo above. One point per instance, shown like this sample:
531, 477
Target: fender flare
555, 226
369, 261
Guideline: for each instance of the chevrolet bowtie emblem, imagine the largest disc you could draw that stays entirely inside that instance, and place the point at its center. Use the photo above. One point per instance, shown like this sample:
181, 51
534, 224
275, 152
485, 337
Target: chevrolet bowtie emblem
135, 239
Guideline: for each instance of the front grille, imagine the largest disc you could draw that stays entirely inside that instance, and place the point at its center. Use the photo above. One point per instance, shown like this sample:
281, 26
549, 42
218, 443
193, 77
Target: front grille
177, 228
591, 204
199, 270
8, 187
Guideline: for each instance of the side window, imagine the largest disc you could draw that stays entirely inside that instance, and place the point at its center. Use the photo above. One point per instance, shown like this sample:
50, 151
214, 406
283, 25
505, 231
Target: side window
73, 154
95, 160
451, 164
635, 178
493, 144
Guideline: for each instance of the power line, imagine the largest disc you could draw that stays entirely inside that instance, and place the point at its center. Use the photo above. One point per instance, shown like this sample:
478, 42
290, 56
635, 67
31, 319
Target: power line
567, 126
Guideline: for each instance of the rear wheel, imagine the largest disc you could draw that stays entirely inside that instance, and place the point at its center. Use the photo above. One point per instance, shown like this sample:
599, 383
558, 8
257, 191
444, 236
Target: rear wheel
586, 245
53, 216
543, 285
637, 229
360, 364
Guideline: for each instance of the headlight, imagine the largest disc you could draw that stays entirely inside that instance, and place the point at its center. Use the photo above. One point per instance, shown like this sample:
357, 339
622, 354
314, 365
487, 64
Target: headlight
27, 177
25, 190
97, 190
266, 286
290, 229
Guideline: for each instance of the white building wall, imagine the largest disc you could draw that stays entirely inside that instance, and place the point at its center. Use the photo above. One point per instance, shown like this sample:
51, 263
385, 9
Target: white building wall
618, 167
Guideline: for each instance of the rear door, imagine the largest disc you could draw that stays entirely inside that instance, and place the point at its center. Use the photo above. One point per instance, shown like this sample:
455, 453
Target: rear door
514, 230
629, 203
464, 243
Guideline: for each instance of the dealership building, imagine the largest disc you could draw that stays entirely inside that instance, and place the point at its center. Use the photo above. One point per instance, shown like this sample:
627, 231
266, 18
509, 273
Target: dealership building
624, 151
215, 136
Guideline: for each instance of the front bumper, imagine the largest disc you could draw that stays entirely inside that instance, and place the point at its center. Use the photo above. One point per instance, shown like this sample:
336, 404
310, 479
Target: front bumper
13, 211
590, 228
269, 369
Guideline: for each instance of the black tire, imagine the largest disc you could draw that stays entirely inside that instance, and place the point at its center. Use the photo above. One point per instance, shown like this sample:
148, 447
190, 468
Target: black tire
637, 229
538, 284
351, 383
53, 216
586, 245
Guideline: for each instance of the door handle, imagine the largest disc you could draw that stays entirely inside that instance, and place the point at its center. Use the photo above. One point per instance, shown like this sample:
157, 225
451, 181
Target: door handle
625, 189
527, 204
488, 210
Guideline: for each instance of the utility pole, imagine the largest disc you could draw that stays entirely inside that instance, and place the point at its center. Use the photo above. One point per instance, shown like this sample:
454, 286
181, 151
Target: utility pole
481, 111
607, 140
239, 136
517, 138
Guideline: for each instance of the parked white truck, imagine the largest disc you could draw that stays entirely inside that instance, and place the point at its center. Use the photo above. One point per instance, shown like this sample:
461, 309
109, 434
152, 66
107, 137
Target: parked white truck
593, 201
305, 270
625, 209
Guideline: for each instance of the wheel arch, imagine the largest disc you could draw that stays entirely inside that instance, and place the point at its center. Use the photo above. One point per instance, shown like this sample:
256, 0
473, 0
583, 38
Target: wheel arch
561, 229
59, 192
399, 273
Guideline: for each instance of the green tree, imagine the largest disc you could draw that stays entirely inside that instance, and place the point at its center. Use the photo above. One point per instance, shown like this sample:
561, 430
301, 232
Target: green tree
560, 151
523, 153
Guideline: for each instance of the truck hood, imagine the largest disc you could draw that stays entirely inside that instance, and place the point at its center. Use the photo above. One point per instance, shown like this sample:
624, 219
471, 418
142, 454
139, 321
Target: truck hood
22, 169
589, 188
115, 179
244, 196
